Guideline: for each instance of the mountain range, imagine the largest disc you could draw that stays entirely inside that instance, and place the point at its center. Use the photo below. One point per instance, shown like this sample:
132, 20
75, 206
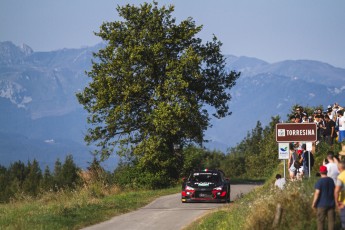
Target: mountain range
40, 117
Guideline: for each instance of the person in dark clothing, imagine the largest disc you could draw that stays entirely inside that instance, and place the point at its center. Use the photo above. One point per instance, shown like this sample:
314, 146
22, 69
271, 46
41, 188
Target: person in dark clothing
324, 199
305, 160
319, 127
329, 132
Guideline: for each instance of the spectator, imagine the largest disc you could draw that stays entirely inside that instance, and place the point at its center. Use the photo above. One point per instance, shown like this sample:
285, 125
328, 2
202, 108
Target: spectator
330, 112
291, 161
335, 109
280, 182
319, 111
324, 200
298, 118
292, 119
319, 127
305, 117
339, 193
311, 119
341, 123
332, 166
329, 130
305, 160
298, 110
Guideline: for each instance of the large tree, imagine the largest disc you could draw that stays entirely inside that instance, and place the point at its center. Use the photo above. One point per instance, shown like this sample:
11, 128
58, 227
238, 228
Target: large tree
150, 85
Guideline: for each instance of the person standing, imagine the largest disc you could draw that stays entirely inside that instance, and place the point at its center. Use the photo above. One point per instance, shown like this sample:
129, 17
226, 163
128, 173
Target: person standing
332, 166
329, 132
305, 160
324, 201
319, 127
339, 192
341, 123
291, 162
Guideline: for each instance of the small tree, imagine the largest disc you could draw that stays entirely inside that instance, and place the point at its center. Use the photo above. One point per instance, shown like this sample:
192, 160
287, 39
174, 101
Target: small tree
69, 173
47, 180
57, 175
17, 173
5, 182
32, 181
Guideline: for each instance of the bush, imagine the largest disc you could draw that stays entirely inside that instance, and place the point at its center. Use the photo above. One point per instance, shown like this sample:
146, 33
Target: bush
130, 176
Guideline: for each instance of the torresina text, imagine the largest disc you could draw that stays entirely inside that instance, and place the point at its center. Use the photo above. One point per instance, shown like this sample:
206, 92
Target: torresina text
300, 132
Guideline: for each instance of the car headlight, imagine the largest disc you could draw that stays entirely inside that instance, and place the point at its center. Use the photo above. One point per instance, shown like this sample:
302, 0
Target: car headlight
189, 188
220, 188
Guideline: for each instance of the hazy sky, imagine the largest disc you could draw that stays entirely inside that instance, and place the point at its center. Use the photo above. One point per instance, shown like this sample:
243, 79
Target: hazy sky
272, 30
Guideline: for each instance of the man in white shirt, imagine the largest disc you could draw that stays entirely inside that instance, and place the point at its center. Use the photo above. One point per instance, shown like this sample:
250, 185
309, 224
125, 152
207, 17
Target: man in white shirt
332, 166
341, 135
280, 182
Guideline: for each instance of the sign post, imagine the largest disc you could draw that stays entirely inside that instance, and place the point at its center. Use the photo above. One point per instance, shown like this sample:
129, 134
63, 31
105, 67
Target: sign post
294, 132
283, 154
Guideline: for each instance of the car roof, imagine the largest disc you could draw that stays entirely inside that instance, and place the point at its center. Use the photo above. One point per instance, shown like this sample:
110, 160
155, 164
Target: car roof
208, 171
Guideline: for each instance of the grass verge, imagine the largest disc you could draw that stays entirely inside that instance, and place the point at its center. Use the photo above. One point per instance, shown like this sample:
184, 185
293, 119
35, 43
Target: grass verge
73, 209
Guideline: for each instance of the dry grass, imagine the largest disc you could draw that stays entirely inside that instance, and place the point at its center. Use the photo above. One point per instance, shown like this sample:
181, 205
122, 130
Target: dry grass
295, 201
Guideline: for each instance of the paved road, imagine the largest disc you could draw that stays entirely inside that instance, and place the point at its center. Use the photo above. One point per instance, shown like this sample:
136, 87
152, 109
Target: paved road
167, 212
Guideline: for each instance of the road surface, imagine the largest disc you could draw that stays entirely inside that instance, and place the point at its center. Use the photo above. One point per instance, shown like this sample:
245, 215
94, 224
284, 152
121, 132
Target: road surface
167, 213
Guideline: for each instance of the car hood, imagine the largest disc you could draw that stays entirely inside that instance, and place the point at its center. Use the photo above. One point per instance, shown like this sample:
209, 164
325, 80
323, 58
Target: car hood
195, 184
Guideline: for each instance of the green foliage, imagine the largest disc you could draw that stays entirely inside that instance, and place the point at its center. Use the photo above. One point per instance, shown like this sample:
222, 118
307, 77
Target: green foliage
27, 180
256, 155
130, 176
234, 166
125, 175
69, 173
57, 177
47, 180
149, 87
5, 192
194, 158
31, 184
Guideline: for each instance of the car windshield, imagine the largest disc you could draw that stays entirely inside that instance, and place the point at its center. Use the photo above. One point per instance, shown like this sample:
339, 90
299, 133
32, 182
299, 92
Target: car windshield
205, 177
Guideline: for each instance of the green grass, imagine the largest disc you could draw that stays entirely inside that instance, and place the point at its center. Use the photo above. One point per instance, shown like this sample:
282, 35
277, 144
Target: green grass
73, 210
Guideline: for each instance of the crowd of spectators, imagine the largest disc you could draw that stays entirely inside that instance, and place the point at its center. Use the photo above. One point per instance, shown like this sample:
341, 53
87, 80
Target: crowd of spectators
330, 123
330, 188
329, 126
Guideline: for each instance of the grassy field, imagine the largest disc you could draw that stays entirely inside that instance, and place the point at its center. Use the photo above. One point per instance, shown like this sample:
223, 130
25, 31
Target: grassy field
73, 209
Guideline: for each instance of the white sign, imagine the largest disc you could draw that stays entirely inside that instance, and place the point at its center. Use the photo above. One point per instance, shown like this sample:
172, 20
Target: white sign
309, 146
283, 151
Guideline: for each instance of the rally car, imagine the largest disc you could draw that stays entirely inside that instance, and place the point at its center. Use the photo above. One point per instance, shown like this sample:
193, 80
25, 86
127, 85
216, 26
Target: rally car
206, 186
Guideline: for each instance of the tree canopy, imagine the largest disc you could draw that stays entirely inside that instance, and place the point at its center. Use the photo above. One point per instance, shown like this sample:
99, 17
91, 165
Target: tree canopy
150, 85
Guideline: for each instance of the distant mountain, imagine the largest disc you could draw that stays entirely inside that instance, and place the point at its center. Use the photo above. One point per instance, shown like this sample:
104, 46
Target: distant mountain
266, 90
41, 118
10, 54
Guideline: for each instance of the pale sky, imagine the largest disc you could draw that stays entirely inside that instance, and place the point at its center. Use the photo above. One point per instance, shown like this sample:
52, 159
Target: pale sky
271, 30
